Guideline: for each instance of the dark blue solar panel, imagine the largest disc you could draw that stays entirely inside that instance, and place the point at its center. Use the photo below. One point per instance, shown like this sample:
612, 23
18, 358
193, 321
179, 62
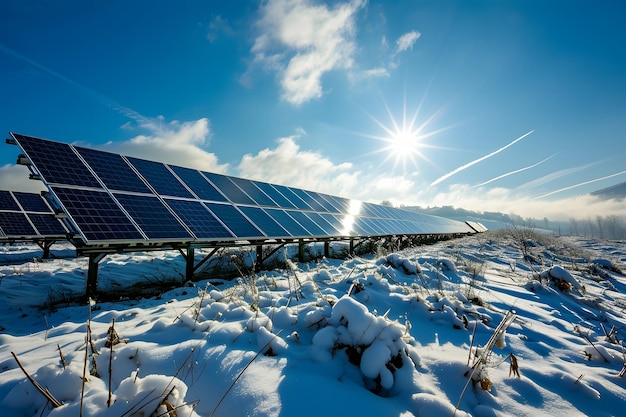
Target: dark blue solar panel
160, 178
254, 192
201, 222
342, 204
7, 202
198, 184
56, 162
113, 170
287, 222
235, 221
153, 217
32, 202
310, 200
291, 196
16, 224
47, 224
225, 185
97, 215
307, 223
263, 221
275, 195
321, 222
334, 221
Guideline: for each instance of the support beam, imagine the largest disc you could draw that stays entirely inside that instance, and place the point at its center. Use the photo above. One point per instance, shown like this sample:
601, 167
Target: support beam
92, 273
189, 264
327, 249
203, 260
351, 246
259, 258
301, 250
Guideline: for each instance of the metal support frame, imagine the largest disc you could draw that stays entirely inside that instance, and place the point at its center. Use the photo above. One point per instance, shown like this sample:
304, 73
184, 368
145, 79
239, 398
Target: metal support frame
260, 258
327, 249
92, 273
301, 246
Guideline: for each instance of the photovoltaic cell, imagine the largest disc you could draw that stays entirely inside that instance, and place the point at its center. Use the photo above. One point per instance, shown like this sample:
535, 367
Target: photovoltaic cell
57, 162
7, 202
229, 188
32, 202
113, 170
235, 221
274, 194
198, 184
47, 224
287, 222
153, 217
16, 224
263, 221
254, 192
160, 178
97, 215
201, 222
321, 200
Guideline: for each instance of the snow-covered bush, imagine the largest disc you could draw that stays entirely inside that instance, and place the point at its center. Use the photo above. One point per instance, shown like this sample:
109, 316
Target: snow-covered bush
399, 262
373, 344
562, 279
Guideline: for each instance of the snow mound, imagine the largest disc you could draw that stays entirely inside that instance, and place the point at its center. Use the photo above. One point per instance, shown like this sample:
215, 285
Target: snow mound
399, 262
563, 279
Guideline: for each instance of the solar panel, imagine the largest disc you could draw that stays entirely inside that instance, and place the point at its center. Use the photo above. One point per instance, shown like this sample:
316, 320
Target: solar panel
16, 224
264, 221
7, 202
198, 184
201, 222
287, 222
254, 192
229, 188
274, 194
152, 217
111, 198
57, 162
113, 170
97, 215
235, 221
31, 202
47, 224
160, 178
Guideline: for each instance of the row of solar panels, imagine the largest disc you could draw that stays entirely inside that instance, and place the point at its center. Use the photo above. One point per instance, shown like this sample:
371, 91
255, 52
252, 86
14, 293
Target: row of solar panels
27, 216
112, 198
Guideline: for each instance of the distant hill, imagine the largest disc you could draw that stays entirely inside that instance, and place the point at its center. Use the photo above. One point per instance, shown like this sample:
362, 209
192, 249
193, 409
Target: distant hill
616, 191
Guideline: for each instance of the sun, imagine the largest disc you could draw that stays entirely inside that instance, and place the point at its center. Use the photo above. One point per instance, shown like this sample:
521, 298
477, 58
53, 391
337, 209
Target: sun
405, 139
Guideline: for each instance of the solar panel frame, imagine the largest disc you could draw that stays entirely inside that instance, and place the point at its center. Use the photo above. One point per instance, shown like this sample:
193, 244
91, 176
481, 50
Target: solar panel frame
31, 202
254, 192
275, 195
293, 197
265, 222
47, 224
287, 222
313, 228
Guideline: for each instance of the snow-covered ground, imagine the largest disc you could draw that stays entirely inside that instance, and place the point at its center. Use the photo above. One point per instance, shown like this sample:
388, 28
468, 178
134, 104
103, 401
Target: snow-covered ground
408, 333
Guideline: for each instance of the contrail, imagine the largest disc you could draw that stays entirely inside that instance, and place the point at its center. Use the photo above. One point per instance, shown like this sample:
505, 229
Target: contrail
513, 172
555, 175
580, 184
124, 111
469, 164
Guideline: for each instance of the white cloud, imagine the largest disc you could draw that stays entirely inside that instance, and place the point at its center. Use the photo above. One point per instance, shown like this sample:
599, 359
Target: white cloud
302, 41
15, 178
407, 40
287, 164
178, 143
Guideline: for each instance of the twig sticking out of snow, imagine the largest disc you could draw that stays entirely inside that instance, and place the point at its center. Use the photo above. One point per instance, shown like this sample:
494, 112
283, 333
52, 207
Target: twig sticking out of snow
44, 391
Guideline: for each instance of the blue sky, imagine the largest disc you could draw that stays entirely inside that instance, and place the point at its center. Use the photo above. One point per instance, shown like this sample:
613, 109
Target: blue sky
511, 106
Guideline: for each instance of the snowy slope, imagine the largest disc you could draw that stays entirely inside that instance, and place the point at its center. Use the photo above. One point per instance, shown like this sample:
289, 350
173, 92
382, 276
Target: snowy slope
390, 334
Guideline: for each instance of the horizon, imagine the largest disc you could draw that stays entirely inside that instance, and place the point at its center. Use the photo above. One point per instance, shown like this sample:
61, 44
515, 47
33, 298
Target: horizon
514, 108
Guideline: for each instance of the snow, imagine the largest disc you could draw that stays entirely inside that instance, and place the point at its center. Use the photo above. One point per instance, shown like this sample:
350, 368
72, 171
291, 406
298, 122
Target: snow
393, 334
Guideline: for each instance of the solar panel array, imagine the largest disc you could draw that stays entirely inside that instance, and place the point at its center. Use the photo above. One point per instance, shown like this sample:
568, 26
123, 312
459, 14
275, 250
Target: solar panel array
112, 198
27, 216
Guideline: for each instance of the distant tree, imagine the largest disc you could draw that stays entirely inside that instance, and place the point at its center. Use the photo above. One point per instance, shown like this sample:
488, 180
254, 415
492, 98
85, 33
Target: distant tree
386, 203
